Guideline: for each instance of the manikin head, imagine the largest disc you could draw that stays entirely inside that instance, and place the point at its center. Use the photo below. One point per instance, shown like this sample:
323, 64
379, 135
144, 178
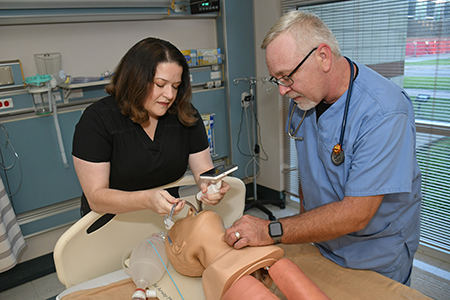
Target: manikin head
194, 241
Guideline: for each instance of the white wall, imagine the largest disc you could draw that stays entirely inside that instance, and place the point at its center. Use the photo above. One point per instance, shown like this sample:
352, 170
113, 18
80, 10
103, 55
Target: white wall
88, 49
269, 104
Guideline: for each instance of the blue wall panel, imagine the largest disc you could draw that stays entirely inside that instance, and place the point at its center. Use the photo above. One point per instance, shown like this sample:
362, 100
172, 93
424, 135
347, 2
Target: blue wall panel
240, 52
51, 221
213, 101
45, 180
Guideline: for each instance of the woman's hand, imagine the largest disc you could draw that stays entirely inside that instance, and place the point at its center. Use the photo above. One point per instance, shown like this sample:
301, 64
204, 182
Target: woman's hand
161, 202
213, 199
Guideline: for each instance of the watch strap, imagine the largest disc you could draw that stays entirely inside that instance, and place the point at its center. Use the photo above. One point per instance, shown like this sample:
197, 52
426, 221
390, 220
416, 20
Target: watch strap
277, 239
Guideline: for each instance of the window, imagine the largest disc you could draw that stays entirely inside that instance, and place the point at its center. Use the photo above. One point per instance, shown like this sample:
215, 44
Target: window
409, 43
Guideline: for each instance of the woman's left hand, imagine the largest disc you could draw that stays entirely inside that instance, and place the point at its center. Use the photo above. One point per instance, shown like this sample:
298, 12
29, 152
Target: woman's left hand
213, 199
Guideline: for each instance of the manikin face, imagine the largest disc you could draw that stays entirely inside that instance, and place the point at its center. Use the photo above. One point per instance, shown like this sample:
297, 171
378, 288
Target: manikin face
165, 89
191, 239
281, 59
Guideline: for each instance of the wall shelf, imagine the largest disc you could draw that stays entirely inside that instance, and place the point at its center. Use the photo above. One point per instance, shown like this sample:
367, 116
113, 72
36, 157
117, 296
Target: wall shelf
69, 86
24, 12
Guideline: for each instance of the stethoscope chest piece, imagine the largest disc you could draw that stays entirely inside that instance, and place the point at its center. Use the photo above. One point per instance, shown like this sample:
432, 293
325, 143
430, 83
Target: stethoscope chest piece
292, 135
337, 155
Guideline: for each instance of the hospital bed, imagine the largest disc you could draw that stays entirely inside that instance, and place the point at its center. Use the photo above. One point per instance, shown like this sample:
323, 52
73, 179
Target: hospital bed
92, 263
83, 256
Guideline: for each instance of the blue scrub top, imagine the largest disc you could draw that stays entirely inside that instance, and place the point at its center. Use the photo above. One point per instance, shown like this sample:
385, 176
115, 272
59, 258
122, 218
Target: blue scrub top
380, 158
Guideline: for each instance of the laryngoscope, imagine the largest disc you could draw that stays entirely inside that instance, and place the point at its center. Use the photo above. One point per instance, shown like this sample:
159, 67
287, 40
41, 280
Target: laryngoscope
168, 219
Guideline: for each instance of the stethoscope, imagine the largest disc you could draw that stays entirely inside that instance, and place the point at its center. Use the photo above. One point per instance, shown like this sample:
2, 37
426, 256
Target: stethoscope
337, 154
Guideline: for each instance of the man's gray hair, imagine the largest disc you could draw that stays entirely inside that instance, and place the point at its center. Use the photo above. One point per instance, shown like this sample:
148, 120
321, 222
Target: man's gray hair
308, 30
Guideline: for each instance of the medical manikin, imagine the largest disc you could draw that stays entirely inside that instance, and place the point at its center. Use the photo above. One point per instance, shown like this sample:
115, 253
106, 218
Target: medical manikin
195, 248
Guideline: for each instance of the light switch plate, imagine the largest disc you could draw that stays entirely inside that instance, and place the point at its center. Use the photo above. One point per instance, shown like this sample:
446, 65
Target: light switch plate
6, 76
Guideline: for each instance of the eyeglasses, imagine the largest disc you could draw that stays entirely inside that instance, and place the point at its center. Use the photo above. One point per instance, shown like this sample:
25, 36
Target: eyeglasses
286, 80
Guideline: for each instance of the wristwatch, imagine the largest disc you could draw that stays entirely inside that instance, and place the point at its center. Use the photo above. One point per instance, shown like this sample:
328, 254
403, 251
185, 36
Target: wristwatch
276, 231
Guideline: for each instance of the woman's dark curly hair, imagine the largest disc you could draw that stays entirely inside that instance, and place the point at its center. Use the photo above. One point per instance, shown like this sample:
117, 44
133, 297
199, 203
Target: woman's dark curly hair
132, 81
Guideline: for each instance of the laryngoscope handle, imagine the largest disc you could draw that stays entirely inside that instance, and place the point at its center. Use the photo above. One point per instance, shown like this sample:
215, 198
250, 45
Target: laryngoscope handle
213, 188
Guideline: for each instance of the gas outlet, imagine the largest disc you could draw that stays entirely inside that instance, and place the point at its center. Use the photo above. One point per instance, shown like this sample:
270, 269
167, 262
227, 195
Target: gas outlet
6, 103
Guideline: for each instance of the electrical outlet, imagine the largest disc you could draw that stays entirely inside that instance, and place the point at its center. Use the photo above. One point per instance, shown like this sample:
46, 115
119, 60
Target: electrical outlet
217, 83
180, 8
6, 103
209, 85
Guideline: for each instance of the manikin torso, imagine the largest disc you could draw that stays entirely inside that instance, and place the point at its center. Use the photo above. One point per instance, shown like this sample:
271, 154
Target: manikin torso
195, 248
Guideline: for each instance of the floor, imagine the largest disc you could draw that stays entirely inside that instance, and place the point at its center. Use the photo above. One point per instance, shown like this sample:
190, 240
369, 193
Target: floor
430, 276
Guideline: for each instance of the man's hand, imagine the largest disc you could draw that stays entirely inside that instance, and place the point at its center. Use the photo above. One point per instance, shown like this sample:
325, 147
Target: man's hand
248, 231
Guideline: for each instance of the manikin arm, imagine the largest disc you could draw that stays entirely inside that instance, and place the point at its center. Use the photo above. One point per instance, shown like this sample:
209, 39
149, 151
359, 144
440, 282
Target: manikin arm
293, 283
288, 277
249, 288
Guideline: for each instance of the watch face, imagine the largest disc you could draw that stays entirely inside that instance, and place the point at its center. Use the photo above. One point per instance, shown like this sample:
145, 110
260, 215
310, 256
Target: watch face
275, 229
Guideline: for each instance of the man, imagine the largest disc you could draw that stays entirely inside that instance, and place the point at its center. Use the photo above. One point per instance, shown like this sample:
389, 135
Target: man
357, 161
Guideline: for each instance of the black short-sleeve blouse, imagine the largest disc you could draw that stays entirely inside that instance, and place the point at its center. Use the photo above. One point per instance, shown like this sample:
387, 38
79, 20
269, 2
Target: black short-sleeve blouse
104, 134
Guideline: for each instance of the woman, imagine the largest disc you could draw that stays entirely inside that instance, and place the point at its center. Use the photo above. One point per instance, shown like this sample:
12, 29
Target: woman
142, 136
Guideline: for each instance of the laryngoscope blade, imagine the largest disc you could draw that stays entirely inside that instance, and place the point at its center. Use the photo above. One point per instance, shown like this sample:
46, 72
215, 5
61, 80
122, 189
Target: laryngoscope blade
168, 219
